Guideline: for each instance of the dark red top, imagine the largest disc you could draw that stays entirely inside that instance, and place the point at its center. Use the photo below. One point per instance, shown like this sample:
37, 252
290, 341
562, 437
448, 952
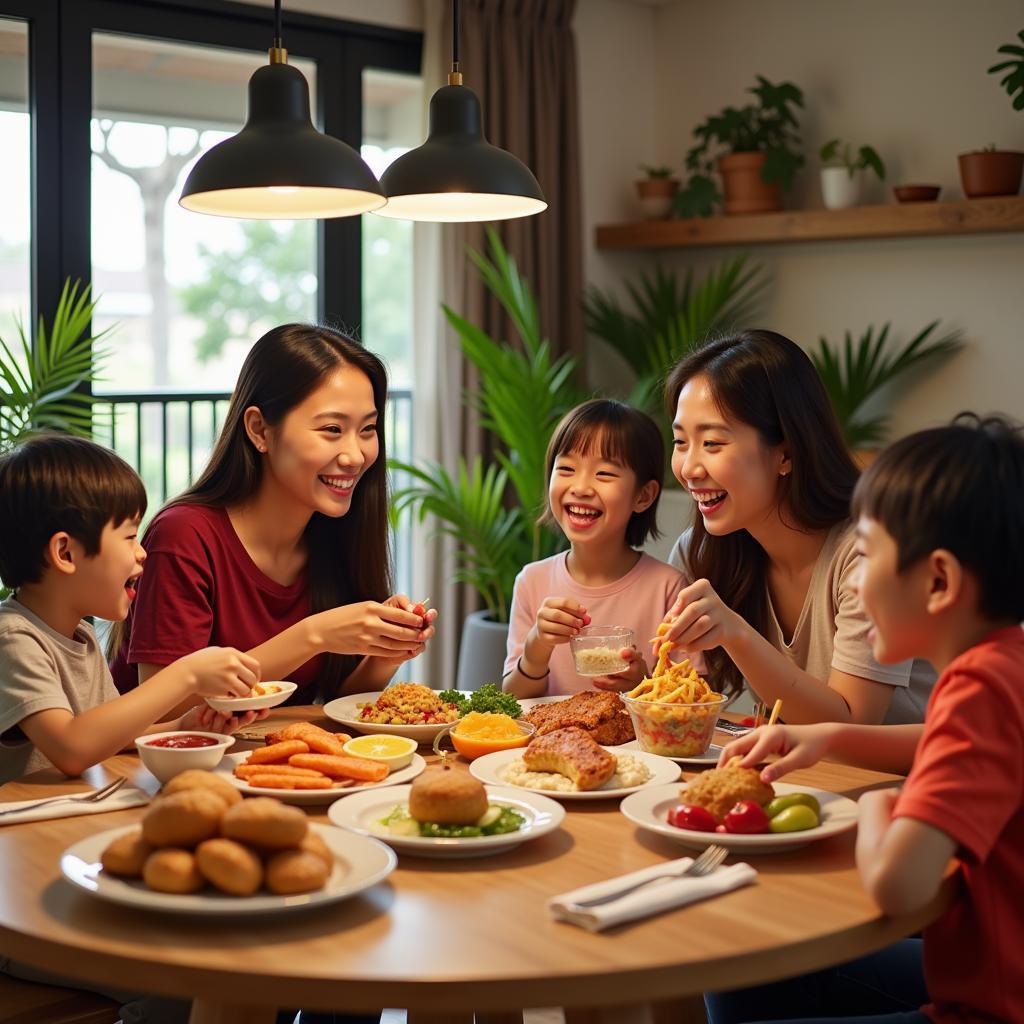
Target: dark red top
200, 588
968, 781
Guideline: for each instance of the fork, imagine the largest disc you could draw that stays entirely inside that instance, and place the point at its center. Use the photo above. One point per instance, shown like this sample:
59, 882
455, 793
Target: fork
704, 864
95, 797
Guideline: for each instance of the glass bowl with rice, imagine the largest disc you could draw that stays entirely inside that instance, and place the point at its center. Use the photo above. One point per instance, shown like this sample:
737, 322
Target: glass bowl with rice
596, 650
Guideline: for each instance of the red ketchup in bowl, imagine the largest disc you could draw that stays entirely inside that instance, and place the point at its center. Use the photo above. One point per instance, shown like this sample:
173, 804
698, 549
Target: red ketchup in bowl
183, 742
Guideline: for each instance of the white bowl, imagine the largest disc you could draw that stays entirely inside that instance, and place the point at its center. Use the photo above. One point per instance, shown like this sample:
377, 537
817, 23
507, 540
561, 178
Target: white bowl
229, 705
166, 762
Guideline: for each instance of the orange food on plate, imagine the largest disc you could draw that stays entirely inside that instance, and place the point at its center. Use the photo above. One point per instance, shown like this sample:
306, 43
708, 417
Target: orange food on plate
319, 740
278, 752
271, 780
244, 771
482, 733
360, 768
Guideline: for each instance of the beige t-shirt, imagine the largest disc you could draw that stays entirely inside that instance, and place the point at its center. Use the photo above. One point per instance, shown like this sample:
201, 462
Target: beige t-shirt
832, 630
42, 669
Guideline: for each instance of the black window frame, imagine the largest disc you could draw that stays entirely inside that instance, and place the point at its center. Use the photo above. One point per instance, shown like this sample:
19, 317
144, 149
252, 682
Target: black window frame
61, 108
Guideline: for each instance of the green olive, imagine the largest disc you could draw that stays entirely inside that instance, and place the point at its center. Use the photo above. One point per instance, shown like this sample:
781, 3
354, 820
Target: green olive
780, 803
793, 819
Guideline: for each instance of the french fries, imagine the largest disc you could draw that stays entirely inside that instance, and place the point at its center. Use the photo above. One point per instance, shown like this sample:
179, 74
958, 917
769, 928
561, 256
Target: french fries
673, 682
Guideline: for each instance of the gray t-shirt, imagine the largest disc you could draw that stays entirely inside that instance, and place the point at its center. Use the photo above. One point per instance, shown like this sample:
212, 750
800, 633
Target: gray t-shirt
42, 669
832, 630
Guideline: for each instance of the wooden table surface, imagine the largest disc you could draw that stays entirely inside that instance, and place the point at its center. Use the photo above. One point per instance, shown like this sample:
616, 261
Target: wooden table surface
447, 937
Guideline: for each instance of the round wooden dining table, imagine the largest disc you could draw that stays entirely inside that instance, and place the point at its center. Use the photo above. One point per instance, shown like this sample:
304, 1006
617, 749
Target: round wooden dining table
449, 938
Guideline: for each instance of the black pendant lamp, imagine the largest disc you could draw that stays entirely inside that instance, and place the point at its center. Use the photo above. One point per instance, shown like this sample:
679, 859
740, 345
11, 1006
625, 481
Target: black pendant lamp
279, 167
457, 175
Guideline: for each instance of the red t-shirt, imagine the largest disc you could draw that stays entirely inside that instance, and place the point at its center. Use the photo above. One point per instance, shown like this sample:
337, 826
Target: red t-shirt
968, 781
200, 588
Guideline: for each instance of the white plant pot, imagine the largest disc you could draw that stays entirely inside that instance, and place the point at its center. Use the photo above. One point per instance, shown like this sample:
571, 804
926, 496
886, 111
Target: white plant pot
838, 189
481, 652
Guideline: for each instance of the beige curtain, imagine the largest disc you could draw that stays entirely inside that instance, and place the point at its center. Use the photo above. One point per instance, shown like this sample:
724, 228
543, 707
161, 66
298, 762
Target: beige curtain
519, 57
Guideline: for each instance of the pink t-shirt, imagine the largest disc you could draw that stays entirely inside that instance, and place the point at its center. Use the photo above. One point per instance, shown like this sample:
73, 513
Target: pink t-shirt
638, 600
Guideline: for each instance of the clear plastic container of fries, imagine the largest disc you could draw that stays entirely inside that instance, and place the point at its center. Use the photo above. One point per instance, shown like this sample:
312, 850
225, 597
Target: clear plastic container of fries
674, 712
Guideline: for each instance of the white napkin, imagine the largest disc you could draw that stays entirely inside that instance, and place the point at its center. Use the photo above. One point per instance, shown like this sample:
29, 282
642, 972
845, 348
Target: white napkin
653, 899
120, 801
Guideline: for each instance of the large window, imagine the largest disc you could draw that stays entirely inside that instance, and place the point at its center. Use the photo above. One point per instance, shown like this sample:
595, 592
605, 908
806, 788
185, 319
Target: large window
15, 179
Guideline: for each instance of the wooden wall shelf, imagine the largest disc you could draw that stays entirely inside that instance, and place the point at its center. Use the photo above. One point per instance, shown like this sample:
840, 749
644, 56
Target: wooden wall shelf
904, 220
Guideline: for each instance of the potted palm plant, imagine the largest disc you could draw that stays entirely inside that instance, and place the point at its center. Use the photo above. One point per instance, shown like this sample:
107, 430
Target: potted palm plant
842, 172
857, 372
761, 154
41, 385
491, 510
991, 171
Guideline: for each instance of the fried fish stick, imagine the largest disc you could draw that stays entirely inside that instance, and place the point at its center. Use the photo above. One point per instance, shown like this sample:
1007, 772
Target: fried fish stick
360, 768
274, 781
277, 752
319, 740
244, 771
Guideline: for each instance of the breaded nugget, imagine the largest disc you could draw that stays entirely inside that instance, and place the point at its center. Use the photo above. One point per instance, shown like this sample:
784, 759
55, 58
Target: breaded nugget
718, 789
183, 819
361, 768
277, 752
230, 866
572, 753
271, 780
313, 843
295, 871
196, 778
172, 870
126, 855
447, 797
266, 823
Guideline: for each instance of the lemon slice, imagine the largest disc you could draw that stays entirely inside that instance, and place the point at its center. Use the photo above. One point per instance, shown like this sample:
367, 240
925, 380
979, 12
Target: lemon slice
394, 751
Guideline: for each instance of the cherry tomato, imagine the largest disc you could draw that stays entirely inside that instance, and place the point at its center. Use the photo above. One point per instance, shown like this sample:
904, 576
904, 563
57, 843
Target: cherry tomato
691, 817
749, 720
746, 818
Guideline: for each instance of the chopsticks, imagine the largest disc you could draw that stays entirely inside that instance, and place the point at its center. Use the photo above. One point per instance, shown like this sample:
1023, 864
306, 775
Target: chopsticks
761, 713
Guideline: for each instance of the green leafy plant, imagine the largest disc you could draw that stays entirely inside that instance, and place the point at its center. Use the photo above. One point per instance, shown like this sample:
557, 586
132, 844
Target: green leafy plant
768, 126
856, 372
41, 385
491, 511
837, 154
670, 316
656, 172
1013, 81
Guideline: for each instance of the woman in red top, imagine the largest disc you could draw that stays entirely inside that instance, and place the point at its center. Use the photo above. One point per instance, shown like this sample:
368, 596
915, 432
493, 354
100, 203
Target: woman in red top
280, 547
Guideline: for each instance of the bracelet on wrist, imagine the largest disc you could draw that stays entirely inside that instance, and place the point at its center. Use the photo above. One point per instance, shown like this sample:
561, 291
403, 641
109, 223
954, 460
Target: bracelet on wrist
523, 672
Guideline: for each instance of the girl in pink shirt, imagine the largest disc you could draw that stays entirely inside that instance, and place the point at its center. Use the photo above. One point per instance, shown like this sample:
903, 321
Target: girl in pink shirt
605, 464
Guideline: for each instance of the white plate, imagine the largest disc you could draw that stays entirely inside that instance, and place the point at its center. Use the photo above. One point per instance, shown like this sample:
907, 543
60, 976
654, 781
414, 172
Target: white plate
649, 810
346, 711
361, 811
306, 797
710, 756
362, 862
229, 705
489, 769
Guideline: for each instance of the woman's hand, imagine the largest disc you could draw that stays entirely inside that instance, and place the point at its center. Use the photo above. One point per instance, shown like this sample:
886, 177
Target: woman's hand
385, 629
798, 746
203, 718
700, 620
427, 618
220, 672
628, 678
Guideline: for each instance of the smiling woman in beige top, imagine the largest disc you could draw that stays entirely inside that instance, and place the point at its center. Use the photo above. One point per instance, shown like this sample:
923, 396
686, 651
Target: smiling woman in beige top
771, 552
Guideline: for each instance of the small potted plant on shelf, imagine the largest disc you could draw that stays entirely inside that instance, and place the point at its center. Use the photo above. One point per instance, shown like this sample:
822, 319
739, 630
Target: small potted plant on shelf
842, 172
993, 172
656, 191
761, 154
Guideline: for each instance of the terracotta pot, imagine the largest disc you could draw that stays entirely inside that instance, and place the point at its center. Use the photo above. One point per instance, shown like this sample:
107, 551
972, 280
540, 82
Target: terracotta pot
744, 190
656, 195
991, 173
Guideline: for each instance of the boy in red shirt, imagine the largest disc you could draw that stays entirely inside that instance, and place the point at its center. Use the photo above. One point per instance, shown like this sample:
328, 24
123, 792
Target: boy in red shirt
941, 531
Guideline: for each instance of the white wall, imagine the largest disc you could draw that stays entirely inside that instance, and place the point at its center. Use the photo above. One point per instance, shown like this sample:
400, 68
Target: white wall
908, 78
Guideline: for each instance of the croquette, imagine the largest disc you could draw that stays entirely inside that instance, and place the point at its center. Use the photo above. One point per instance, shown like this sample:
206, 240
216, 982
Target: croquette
718, 789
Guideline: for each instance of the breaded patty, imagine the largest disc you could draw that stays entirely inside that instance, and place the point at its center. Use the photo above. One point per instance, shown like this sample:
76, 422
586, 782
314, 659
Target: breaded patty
718, 789
572, 753
598, 712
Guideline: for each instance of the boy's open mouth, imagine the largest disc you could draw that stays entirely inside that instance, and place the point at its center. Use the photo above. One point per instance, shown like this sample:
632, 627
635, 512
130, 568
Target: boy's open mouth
581, 517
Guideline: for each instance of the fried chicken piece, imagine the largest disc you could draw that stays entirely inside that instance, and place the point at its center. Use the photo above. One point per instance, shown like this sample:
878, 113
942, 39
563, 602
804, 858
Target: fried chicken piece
572, 753
598, 712
718, 789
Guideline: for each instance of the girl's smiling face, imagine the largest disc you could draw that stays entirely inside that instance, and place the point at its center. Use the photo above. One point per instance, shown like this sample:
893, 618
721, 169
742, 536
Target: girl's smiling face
724, 463
593, 496
324, 445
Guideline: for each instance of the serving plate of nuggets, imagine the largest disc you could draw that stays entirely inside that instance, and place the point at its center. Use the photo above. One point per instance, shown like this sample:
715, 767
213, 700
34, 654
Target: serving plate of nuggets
202, 849
304, 764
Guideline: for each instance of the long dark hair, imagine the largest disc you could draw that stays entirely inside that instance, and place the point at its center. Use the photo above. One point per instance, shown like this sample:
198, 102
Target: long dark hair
349, 557
766, 381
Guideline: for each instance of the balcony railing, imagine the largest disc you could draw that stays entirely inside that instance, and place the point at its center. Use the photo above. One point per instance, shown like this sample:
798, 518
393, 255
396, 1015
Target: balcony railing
168, 436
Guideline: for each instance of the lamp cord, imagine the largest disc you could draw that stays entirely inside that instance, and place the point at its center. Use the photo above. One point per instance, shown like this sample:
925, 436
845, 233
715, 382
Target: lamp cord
277, 23
455, 35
